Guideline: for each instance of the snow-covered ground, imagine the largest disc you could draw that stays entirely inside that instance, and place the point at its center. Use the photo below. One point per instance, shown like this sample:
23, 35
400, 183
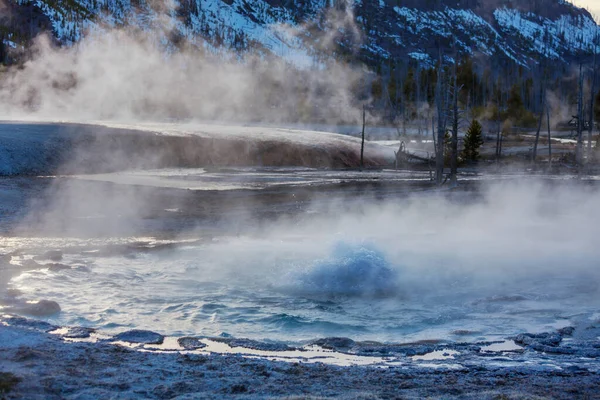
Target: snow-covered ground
41, 148
34, 364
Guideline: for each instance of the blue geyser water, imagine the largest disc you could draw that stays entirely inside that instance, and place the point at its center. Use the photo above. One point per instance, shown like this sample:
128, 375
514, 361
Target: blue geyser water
303, 289
353, 270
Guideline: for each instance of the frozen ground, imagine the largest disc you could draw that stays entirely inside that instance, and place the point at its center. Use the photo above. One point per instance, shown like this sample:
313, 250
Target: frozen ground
293, 281
35, 364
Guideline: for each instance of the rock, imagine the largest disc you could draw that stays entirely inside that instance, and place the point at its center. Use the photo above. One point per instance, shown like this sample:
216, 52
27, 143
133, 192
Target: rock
566, 331
140, 336
190, 343
29, 323
79, 332
255, 345
545, 339
334, 343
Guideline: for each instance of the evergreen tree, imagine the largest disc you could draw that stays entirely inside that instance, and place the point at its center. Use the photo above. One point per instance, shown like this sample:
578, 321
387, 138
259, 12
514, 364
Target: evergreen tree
515, 104
472, 142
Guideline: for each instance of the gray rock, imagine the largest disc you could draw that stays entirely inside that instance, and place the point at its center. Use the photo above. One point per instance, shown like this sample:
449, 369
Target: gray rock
190, 343
545, 339
29, 323
256, 345
566, 331
140, 336
334, 343
78, 332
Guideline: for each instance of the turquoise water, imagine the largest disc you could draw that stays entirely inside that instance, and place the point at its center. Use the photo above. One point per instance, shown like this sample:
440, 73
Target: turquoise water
298, 290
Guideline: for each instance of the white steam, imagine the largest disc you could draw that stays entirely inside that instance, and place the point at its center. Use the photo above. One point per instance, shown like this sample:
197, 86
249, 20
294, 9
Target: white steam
129, 74
514, 257
512, 237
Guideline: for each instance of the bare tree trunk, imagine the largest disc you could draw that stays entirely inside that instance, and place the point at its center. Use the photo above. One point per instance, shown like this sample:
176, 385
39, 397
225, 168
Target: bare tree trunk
362, 144
454, 142
500, 141
549, 137
433, 133
498, 136
539, 128
439, 151
579, 150
591, 115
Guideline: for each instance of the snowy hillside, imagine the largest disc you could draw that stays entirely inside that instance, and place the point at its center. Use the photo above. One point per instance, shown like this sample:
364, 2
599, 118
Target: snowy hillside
300, 30
50, 148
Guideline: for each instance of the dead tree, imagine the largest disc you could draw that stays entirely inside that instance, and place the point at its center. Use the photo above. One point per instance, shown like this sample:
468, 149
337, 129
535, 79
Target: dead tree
579, 150
362, 143
498, 136
539, 128
441, 126
549, 136
455, 117
592, 98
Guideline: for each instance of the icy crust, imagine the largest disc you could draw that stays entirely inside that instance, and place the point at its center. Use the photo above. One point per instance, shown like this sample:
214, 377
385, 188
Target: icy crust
55, 365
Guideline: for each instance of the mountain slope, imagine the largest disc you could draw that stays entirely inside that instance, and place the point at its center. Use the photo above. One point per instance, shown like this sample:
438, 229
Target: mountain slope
303, 31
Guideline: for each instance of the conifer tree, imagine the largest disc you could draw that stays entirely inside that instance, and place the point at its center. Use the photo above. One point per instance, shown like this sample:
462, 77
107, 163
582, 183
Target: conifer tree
472, 142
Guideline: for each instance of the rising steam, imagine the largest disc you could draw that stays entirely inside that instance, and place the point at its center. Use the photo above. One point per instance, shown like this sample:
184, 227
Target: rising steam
130, 74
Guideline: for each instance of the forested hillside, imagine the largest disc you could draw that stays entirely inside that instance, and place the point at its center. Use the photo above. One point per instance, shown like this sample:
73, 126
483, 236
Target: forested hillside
506, 50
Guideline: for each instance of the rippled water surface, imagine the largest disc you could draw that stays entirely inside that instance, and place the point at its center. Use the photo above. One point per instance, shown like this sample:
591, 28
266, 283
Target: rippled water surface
299, 289
513, 257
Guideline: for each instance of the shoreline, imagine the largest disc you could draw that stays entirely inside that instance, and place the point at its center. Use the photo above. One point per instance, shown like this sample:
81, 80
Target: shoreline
44, 365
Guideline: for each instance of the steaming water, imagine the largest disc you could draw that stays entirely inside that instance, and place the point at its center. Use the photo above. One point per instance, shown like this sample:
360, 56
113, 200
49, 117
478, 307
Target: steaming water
300, 288
520, 258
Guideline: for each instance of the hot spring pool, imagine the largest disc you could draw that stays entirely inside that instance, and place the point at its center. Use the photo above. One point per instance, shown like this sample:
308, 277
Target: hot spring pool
296, 289
521, 257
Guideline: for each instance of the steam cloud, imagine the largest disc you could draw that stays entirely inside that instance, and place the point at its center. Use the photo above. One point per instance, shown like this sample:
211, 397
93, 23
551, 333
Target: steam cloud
513, 237
516, 231
128, 74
